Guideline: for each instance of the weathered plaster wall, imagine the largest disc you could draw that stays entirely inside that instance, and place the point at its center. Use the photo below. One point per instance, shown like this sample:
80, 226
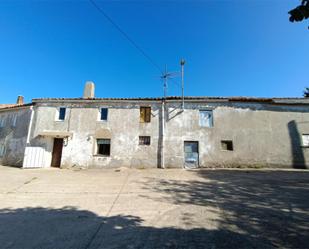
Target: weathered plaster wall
123, 127
13, 135
262, 134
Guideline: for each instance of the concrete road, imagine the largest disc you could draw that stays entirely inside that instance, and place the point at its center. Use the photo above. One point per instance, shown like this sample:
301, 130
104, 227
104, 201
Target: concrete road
50, 208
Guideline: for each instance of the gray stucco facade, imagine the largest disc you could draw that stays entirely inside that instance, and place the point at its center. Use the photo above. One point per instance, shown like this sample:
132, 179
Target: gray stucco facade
240, 132
262, 134
14, 125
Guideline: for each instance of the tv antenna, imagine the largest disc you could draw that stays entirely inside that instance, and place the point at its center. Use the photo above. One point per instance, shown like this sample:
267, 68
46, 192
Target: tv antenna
169, 75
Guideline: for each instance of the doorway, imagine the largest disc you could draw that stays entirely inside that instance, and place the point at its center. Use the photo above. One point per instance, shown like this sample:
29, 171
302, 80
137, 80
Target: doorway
57, 152
191, 154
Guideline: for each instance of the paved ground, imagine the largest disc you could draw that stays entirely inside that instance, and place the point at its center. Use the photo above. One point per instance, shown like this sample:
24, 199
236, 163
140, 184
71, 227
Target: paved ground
153, 209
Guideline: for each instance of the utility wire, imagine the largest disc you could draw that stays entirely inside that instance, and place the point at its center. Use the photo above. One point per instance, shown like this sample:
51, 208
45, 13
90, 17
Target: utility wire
133, 43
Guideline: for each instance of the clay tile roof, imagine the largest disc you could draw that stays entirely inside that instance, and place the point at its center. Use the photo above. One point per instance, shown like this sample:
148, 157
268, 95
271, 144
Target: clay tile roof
6, 105
289, 101
12, 106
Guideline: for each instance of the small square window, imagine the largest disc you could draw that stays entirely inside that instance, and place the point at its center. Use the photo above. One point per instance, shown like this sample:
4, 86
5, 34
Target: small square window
305, 140
206, 118
104, 147
62, 111
145, 114
104, 114
227, 145
144, 140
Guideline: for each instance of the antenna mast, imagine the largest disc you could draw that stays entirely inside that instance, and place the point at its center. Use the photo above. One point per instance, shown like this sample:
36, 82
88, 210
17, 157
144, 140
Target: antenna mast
182, 64
164, 76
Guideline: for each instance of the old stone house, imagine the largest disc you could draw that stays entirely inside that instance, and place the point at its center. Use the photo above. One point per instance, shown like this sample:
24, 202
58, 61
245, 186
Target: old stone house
156, 132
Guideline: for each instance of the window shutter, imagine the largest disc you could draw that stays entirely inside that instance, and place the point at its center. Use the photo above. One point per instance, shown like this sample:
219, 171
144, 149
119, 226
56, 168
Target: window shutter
142, 114
206, 118
104, 112
148, 113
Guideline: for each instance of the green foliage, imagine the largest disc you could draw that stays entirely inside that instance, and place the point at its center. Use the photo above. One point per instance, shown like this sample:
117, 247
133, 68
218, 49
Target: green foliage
306, 92
300, 13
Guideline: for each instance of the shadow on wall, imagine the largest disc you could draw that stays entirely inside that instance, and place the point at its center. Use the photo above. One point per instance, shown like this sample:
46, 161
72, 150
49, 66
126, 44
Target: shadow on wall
299, 161
160, 140
257, 209
72, 228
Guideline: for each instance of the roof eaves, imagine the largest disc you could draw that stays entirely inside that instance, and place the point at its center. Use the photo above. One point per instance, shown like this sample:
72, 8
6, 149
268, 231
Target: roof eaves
302, 101
16, 106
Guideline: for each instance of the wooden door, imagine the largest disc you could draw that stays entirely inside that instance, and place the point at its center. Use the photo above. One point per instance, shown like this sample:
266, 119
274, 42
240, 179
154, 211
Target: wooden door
57, 152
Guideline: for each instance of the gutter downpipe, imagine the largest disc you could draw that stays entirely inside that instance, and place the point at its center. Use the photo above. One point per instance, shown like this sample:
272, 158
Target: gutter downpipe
162, 135
30, 126
29, 131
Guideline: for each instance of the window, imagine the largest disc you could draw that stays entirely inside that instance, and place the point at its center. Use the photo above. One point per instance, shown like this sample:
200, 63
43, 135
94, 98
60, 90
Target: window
227, 145
2, 150
61, 115
1, 122
206, 118
14, 119
104, 147
145, 113
305, 139
144, 140
103, 114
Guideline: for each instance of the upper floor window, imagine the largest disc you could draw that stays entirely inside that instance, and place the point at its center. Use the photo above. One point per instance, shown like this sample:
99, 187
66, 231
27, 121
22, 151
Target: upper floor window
2, 122
206, 118
61, 114
14, 120
145, 114
103, 114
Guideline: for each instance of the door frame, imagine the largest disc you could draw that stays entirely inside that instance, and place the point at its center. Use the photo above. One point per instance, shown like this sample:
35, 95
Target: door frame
191, 165
56, 162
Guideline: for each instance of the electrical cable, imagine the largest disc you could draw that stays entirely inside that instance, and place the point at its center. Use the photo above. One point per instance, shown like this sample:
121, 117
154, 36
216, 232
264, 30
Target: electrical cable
133, 43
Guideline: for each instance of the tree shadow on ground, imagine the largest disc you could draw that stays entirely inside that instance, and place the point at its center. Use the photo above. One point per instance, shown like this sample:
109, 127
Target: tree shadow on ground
72, 228
269, 209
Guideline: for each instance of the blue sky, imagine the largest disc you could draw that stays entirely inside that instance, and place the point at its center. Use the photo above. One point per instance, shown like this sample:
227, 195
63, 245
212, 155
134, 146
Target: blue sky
232, 48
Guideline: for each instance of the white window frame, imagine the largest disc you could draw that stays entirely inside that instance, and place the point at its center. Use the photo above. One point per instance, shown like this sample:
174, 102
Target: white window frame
305, 140
14, 120
58, 113
99, 114
211, 122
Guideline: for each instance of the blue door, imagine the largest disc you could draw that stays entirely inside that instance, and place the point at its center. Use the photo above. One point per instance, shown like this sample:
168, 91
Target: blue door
191, 154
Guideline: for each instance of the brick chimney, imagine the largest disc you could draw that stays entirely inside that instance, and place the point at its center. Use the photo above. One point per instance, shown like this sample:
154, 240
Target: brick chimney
20, 100
89, 90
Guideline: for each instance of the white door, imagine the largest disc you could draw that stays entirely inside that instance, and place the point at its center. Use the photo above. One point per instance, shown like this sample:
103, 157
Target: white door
34, 157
